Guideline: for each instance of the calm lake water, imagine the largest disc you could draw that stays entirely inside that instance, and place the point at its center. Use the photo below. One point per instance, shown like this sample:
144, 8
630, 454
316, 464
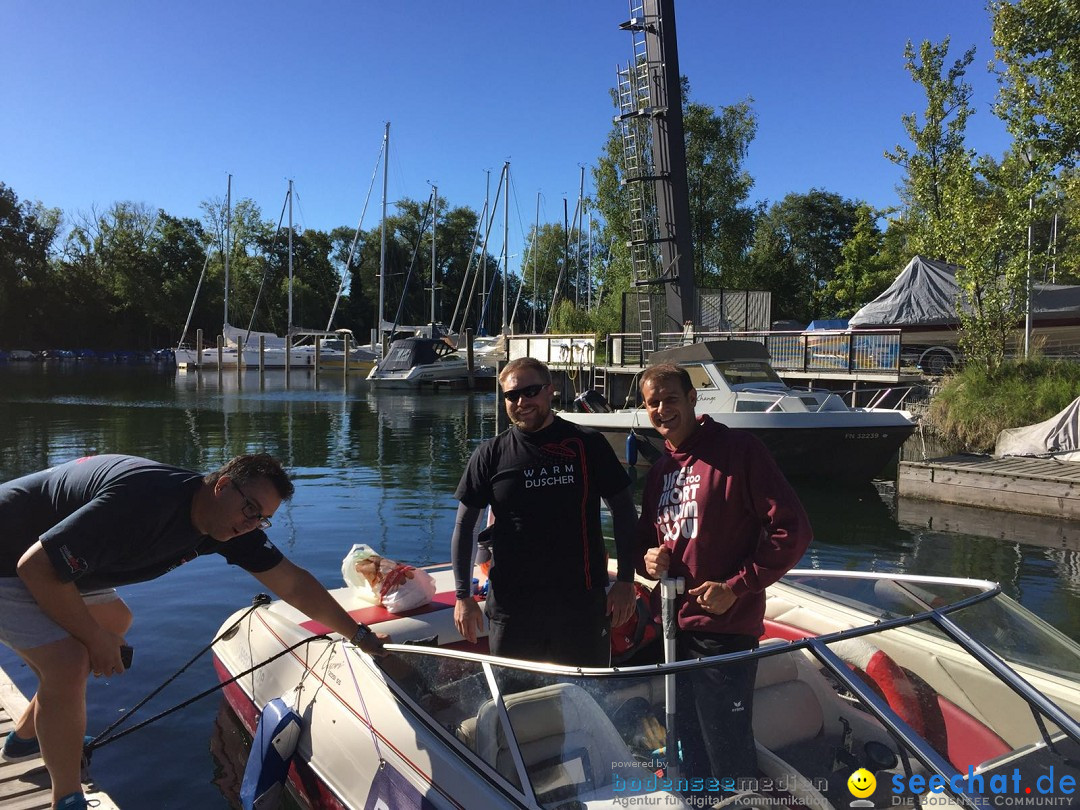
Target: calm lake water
381, 468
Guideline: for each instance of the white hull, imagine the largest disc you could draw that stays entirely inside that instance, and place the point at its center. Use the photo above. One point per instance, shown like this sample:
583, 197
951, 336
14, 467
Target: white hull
810, 433
432, 731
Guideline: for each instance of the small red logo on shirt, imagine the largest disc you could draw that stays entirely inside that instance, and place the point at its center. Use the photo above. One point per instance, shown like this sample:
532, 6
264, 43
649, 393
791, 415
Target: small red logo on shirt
76, 564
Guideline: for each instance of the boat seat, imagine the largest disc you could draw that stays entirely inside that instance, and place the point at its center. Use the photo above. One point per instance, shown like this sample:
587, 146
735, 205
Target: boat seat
787, 710
567, 742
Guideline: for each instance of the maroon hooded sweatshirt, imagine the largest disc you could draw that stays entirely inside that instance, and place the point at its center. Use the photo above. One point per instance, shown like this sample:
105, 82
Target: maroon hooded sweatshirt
727, 513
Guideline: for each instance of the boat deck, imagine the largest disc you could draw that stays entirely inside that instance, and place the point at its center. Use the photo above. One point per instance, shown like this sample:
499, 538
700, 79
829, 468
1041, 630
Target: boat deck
25, 785
1034, 486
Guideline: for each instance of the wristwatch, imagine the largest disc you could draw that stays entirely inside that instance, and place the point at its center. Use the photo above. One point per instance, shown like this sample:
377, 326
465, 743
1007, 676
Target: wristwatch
362, 632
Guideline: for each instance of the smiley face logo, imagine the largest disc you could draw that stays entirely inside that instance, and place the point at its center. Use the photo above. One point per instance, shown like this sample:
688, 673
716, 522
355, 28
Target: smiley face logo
861, 783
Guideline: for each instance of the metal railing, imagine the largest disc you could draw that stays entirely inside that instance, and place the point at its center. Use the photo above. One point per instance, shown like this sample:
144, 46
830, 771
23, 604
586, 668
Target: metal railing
849, 351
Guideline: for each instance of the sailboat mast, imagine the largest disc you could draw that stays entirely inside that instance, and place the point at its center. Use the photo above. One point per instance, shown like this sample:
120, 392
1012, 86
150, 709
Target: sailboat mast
289, 330
382, 235
536, 239
228, 249
506, 249
580, 217
434, 216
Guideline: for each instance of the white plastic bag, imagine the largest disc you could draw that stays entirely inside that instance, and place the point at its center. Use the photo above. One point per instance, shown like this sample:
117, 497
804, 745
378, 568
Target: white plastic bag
395, 586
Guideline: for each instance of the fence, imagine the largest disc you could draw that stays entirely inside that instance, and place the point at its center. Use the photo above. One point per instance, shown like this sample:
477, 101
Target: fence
869, 350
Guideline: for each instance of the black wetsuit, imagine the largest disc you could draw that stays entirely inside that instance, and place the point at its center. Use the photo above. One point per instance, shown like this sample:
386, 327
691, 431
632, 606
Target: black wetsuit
547, 588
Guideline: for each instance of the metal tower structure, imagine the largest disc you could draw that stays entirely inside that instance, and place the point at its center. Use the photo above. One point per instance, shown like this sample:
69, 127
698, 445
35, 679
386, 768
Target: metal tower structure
654, 168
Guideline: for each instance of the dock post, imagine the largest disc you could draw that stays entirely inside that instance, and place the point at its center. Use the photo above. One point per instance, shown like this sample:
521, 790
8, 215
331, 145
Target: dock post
469, 363
288, 358
239, 360
345, 361
220, 356
318, 355
198, 349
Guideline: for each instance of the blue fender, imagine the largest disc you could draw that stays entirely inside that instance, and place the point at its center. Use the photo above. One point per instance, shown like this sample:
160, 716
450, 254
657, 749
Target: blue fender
271, 752
631, 448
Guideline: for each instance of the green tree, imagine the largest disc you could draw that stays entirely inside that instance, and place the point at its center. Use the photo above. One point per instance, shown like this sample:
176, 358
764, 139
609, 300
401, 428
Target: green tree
1037, 50
27, 233
178, 249
869, 263
798, 244
938, 150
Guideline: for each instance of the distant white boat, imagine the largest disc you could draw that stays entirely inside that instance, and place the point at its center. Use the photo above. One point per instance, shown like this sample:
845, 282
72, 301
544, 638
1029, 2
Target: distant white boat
809, 432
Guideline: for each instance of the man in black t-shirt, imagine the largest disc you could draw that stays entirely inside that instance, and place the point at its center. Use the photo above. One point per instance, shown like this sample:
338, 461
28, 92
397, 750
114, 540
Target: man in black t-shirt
543, 479
71, 533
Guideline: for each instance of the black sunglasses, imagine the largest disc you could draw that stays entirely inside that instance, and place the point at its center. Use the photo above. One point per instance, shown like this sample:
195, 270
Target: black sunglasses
529, 391
251, 509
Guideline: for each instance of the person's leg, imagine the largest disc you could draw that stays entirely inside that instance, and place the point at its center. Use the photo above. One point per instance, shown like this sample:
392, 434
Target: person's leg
112, 613
60, 710
579, 631
724, 706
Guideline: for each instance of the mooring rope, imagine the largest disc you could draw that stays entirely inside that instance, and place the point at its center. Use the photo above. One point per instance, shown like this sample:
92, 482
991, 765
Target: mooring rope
260, 600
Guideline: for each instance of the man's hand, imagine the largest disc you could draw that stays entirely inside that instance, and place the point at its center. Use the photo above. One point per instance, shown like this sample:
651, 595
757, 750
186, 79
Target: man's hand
713, 597
658, 561
468, 619
103, 648
621, 601
373, 643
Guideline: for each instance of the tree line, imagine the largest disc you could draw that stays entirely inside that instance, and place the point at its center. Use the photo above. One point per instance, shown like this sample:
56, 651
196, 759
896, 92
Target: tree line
125, 277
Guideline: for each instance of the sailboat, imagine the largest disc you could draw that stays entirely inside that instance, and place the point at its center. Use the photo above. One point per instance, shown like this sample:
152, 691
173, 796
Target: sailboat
199, 357
428, 356
267, 350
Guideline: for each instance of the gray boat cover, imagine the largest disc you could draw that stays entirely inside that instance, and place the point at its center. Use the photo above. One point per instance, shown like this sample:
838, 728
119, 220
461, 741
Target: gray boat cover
925, 293
1058, 436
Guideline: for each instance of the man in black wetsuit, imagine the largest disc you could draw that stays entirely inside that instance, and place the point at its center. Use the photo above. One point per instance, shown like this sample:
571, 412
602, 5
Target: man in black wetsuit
544, 479
70, 534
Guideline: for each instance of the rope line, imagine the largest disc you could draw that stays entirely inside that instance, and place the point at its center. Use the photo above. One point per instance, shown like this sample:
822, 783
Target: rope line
260, 600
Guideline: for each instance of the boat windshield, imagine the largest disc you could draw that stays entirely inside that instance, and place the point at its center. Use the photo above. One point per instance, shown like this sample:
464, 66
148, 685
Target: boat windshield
927, 714
741, 372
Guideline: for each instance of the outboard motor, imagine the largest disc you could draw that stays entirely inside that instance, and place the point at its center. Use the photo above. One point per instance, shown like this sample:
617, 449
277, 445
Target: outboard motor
591, 401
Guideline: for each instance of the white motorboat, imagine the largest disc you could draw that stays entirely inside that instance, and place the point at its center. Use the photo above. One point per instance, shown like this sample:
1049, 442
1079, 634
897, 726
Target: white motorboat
944, 690
415, 361
810, 432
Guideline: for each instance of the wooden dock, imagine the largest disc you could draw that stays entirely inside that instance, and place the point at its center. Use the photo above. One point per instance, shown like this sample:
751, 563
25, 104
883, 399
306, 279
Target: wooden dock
25, 785
1033, 486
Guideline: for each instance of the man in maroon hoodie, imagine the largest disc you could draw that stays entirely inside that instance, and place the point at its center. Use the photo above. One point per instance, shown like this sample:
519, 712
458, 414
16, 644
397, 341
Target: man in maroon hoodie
718, 512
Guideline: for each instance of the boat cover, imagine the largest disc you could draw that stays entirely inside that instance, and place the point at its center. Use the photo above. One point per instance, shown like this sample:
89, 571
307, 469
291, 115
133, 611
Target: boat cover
826, 324
1058, 436
925, 293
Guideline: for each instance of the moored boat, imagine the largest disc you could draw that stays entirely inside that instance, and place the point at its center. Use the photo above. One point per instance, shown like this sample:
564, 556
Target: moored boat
415, 361
810, 432
940, 688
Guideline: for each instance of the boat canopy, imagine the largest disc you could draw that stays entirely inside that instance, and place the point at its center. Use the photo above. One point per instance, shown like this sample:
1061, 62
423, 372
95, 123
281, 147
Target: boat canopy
409, 352
926, 293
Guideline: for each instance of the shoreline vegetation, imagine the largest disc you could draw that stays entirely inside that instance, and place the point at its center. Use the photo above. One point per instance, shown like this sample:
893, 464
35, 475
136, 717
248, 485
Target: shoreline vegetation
976, 403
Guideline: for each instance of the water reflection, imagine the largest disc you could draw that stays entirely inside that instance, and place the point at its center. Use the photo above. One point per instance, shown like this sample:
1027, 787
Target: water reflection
381, 467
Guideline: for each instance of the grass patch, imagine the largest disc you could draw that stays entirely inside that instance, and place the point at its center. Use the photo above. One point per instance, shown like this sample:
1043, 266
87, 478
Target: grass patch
976, 404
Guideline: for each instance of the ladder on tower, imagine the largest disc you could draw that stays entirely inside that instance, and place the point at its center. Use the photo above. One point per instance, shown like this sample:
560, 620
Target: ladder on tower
635, 110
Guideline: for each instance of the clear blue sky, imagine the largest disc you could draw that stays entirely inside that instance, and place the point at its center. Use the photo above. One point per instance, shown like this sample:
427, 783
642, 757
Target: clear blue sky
156, 102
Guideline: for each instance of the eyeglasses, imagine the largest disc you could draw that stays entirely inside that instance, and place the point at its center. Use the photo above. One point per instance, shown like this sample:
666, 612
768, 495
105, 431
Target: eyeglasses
251, 510
529, 391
